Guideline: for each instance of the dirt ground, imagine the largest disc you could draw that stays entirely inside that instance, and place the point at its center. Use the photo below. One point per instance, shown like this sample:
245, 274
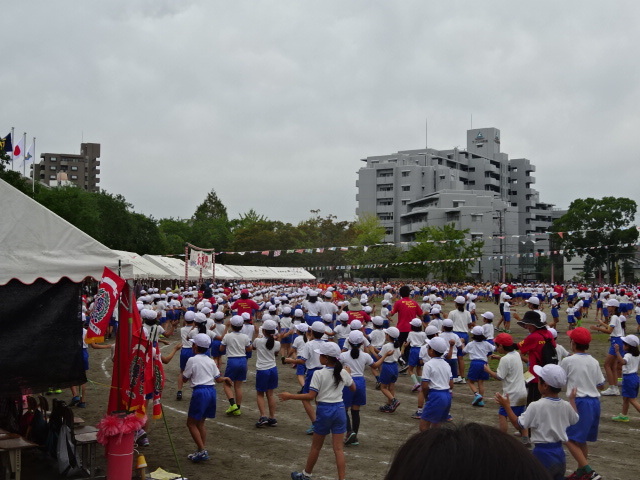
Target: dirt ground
239, 450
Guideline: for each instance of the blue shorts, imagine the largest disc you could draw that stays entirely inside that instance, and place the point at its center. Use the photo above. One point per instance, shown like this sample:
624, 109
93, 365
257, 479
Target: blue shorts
586, 303
341, 342
267, 379
517, 410
203, 402
414, 356
288, 339
638, 319
614, 341
552, 457
215, 348
307, 379
330, 418
464, 336
301, 369
359, 397
236, 369
554, 313
586, 430
476, 371
453, 363
436, 408
571, 319
389, 373
310, 319
630, 385
507, 316
185, 354
599, 304
85, 358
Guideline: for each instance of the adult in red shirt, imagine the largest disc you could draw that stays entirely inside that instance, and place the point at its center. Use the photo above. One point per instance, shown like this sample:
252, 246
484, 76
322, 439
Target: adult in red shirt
245, 304
355, 312
407, 310
531, 348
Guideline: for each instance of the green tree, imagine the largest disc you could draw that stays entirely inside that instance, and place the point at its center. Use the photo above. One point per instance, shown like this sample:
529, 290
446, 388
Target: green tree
443, 243
210, 224
368, 232
175, 232
595, 228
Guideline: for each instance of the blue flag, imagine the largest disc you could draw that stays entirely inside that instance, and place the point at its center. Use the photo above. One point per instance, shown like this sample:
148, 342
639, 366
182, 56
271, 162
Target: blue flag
6, 145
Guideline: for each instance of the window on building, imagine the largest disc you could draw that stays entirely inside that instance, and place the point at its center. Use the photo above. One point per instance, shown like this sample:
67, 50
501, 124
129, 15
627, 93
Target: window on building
385, 201
514, 169
53, 159
458, 203
74, 177
476, 237
404, 202
453, 216
52, 177
388, 230
384, 173
385, 187
406, 173
476, 217
472, 182
442, 177
406, 188
52, 167
514, 181
385, 216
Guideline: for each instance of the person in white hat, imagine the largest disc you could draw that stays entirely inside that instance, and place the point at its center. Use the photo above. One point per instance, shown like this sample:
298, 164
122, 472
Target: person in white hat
390, 353
203, 373
437, 384
548, 418
326, 388
267, 347
462, 322
629, 362
615, 329
236, 345
479, 349
415, 340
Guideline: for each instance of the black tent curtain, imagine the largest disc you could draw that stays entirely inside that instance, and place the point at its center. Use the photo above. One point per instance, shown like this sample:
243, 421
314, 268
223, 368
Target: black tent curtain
40, 336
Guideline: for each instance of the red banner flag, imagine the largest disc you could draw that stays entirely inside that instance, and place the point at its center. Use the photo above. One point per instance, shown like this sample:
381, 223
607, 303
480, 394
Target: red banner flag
105, 302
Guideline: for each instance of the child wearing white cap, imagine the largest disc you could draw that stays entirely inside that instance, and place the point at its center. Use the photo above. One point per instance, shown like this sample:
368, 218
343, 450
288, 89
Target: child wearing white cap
630, 383
267, 347
415, 340
236, 345
326, 389
548, 418
487, 326
297, 348
203, 373
389, 354
478, 350
437, 384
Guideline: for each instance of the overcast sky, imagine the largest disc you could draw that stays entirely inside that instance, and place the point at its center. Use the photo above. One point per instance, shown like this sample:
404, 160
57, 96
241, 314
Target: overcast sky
274, 103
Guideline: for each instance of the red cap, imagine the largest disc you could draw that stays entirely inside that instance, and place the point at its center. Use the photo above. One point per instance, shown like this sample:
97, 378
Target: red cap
580, 335
503, 339
244, 290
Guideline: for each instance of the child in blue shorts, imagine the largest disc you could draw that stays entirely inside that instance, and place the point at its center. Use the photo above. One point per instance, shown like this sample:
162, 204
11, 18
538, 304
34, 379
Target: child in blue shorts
630, 381
236, 345
203, 372
437, 384
478, 350
415, 340
326, 389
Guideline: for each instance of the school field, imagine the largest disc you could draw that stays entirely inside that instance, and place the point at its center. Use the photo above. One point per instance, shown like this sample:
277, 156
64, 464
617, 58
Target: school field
239, 450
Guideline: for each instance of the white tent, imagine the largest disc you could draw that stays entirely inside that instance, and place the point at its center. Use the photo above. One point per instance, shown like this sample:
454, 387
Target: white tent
223, 272
142, 267
270, 273
172, 265
37, 243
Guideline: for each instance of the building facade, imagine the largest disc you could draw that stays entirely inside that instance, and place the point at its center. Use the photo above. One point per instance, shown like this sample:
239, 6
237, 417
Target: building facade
62, 169
478, 188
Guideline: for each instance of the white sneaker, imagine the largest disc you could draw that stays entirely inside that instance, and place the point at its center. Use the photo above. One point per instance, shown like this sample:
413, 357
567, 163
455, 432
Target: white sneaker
459, 380
611, 392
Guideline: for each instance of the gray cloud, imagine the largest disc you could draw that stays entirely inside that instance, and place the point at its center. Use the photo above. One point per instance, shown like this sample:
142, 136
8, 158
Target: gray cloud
273, 104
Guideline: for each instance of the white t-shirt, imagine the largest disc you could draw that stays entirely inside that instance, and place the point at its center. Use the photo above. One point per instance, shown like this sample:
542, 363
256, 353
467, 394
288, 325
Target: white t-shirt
341, 331
487, 330
388, 347
506, 307
236, 344
298, 344
186, 335
548, 419
461, 320
314, 309
583, 372
562, 352
322, 382
452, 336
249, 330
416, 339
632, 364
478, 350
377, 338
437, 373
328, 307
356, 365
265, 359
511, 374
616, 322
201, 370
153, 332
308, 353
437, 322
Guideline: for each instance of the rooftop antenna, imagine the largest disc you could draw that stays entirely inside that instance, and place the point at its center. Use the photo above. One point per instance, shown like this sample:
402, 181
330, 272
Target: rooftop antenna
472, 121
426, 133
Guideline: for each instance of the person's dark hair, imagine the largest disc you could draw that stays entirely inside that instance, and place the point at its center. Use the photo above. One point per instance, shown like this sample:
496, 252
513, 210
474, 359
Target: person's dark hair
317, 335
236, 329
489, 453
582, 347
271, 341
201, 349
355, 350
312, 299
460, 307
551, 389
244, 296
337, 370
510, 348
447, 329
202, 327
397, 343
404, 291
479, 338
416, 329
633, 350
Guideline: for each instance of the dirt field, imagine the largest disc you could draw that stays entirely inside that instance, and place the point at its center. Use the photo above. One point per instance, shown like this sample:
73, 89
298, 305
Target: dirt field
239, 450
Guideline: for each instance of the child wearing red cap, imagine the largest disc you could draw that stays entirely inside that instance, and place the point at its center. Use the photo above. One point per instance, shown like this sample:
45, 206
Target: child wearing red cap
510, 373
584, 375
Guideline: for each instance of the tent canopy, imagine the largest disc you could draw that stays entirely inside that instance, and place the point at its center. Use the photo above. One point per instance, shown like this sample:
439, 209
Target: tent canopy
37, 243
143, 268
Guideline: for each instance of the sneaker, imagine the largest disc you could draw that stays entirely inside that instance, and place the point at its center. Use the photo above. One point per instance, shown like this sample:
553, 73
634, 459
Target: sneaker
57, 391
310, 430
82, 405
179, 395
231, 409
272, 422
349, 438
262, 421
449, 418
459, 380
50, 391
355, 442
200, 456
394, 405
417, 414
525, 441
74, 401
507, 331
611, 392
476, 400
141, 438
237, 412
593, 475
143, 442
480, 404
403, 369
620, 418
416, 387
299, 476
385, 408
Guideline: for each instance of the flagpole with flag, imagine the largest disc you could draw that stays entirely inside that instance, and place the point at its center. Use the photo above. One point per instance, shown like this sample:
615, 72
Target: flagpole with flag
13, 141
31, 152
18, 149
24, 157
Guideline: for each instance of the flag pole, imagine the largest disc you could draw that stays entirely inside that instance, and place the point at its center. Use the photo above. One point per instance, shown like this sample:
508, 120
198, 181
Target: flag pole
13, 142
24, 157
33, 168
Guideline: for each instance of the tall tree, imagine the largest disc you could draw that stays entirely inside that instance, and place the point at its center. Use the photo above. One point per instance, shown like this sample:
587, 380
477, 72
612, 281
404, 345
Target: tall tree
443, 243
596, 229
368, 232
210, 227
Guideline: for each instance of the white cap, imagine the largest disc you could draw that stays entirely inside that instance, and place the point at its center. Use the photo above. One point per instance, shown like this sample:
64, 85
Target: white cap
507, 297
218, 315
286, 311
269, 325
302, 327
189, 316
377, 320
533, 300
202, 340
416, 322
200, 317
393, 332
438, 344
329, 349
553, 331
477, 330
318, 327
298, 313
488, 315
328, 294
355, 325
356, 337
206, 310
435, 311
246, 316
631, 340
460, 299
343, 317
368, 309
237, 321
430, 330
552, 374
447, 322
147, 314
384, 302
